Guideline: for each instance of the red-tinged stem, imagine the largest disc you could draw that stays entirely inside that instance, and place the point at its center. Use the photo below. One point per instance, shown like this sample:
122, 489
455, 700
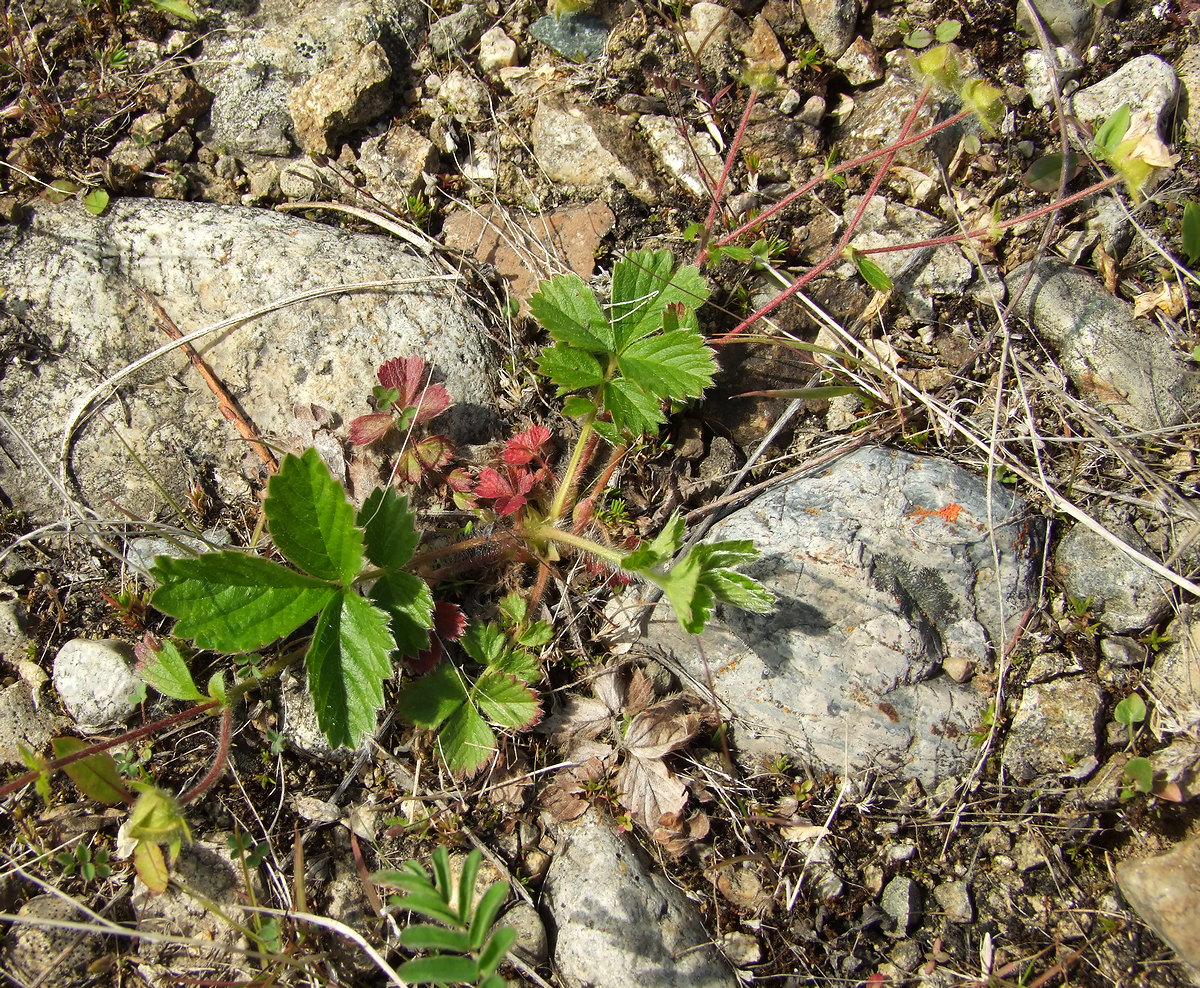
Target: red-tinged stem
836, 253
94, 749
219, 762
585, 508
812, 183
985, 231
719, 190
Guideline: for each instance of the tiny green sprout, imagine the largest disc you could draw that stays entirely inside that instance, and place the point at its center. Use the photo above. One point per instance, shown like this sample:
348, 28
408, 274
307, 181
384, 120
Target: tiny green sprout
985, 101
83, 862
918, 38
1130, 712
1138, 776
1191, 231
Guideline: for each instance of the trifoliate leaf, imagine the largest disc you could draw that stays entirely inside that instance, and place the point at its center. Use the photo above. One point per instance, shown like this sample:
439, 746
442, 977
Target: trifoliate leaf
505, 700
569, 311
231, 602
408, 603
432, 698
388, 528
644, 284
311, 521
466, 741
571, 368
347, 664
674, 365
484, 642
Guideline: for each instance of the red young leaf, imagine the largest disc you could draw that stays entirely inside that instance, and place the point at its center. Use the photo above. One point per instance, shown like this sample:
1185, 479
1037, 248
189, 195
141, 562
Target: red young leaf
507, 492
431, 453
409, 376
449, 623
367, 429
526, 446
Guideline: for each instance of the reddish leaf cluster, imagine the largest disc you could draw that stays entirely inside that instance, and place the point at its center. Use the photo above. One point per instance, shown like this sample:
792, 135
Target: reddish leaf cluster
409, 377
509, 490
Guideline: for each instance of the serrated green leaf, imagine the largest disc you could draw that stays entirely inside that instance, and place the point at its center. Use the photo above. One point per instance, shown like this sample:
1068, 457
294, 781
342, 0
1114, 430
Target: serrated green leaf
466, 741
520, 663
496, 949
96, 202
513, 610
611, 434
389, 531
570, 368
658, 550
869, 271
536, 635
486, 912
166, 670
432, 698
578, 406
644, 284
740, 591
232, 602
347, 663
408, 603
1112, 131
691, 601
1191, 231
96, 776
568, 310
505, 700
673, 365
440, 969
484, 642
180, 8
423, 936
632, 407
311, 521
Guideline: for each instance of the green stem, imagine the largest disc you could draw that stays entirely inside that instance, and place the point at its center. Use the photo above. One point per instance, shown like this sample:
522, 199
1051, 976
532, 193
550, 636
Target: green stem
550, 533
570, 477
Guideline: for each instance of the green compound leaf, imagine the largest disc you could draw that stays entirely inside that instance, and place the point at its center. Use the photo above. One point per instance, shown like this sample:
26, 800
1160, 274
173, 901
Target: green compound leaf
408, 603
660, 549
486, 912
569, 311
166, 670
433, 698
311, 521
506, 700
347, 664
96, 776
389, 529
231, 602
570, 368
644, 285
675, 365
466, 741
485, 643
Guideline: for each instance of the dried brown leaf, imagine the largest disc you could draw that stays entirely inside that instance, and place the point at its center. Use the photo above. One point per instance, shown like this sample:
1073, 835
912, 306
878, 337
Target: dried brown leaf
648, 789
661, 728
578, 718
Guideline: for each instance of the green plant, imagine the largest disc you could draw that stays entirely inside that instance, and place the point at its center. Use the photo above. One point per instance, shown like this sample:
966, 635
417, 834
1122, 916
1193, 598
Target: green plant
1191, 231
943, 33
83, 861
466, 948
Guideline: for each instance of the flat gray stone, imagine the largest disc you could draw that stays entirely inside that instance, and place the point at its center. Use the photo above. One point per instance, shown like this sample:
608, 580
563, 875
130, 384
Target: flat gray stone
1125, 594
1122, 365
1144, 83
955, 899
883, 568
1055, 727
904, 901
832, 23
23, 724
73, 279
96, 682
620, 923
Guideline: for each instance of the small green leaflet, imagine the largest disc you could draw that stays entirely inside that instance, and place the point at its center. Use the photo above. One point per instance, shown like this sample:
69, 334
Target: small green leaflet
1191, 231
870, 272
96, 776
167, 671
96, 202
1112, 132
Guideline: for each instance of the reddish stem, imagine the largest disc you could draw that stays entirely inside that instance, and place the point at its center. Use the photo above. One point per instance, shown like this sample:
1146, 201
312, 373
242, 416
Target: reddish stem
219, 762
719, 190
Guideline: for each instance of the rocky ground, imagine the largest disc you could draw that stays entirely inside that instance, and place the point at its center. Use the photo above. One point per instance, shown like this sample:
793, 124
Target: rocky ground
921, 768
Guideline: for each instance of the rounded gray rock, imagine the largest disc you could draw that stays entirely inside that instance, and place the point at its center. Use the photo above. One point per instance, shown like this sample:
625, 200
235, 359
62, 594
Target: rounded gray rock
96, 682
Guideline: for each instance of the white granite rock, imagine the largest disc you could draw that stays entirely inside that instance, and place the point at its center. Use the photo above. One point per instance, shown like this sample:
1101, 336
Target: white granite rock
96, 682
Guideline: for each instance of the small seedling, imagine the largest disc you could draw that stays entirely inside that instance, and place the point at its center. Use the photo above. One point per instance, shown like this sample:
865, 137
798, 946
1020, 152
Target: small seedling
88, 865
465, 947
1191, 232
